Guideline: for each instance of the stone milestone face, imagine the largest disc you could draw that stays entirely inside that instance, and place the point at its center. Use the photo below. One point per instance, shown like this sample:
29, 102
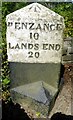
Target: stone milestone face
34, 35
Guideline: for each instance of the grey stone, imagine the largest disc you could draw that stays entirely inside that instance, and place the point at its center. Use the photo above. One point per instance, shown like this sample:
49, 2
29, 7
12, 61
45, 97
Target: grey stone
36, 91
67, 58
67, 50
28, 73
48, 28
34, 48
36, 95
34, 34
68, 45
70, 50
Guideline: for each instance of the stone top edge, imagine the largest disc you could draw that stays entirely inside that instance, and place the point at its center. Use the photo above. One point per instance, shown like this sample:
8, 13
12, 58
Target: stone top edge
34, 4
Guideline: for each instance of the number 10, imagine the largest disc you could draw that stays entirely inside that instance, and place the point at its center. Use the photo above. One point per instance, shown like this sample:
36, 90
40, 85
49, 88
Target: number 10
34, 35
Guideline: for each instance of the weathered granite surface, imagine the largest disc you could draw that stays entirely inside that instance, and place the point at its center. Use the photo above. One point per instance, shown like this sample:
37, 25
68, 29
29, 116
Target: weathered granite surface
34, 48
34, 35
36, 95
67, 56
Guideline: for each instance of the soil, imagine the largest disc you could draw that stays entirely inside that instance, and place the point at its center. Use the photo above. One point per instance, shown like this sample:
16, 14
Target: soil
11, 111
64, 101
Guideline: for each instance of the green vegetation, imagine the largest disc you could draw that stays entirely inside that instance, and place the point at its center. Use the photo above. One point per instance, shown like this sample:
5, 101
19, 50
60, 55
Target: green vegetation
65, 10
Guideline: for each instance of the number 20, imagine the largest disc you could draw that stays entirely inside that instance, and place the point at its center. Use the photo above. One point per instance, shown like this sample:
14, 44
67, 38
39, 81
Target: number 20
36, 54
